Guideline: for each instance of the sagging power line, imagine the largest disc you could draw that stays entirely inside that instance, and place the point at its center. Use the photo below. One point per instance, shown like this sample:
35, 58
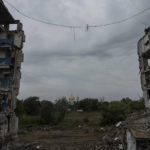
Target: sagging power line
76, 26
39, 20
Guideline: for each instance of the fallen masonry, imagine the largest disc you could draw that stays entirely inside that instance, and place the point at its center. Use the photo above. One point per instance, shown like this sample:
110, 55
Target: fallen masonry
138, 131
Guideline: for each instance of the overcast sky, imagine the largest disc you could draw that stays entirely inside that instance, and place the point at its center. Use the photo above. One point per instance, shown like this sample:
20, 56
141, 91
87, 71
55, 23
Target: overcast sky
102, 62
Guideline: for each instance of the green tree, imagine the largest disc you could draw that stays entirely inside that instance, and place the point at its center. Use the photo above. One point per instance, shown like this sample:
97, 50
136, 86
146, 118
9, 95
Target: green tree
131, 106
32, 106
113, 114
47, 112
102, 105
88, 104
61, 108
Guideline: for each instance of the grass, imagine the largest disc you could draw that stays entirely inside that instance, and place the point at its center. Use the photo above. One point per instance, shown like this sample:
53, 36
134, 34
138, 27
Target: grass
26, 120
74, 119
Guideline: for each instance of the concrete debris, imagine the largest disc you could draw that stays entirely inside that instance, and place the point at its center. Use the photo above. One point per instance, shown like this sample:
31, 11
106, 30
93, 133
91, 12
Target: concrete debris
102, 129
38, 147
120, 146
118, 124
79, 126
116, 139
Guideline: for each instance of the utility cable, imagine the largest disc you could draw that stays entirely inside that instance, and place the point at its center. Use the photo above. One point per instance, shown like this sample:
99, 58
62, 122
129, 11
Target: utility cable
123, 20
75, 27
39, 20
74, 33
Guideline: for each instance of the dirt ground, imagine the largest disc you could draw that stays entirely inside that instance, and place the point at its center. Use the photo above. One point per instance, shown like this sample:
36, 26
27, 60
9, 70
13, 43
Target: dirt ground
61, 138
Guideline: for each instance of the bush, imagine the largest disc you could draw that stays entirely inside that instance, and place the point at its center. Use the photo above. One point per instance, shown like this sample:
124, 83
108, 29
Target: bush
113, 114
61, 108
26, 120
46, 112
32, 106
32, 111
85, 120
87, 104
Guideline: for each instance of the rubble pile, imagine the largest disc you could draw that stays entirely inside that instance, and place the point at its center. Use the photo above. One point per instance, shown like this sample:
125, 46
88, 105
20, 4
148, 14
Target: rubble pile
111, 138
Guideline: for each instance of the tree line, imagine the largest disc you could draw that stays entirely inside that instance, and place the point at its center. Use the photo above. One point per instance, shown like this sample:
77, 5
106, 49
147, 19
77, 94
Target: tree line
33, 111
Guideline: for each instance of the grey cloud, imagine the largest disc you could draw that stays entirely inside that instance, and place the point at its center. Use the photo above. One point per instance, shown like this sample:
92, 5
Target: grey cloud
55, 65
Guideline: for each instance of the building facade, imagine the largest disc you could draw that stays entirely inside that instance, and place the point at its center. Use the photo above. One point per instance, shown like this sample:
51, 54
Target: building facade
138, 125
11, 57
144, 65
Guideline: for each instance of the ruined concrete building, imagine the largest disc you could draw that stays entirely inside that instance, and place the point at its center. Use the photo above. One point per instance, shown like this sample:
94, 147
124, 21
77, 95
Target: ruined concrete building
11, 56
138, 125
138, 131
144, 57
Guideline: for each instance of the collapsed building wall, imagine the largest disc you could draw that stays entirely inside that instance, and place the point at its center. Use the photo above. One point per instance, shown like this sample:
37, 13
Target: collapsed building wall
11, 56
138, 131
138, 125
144, 57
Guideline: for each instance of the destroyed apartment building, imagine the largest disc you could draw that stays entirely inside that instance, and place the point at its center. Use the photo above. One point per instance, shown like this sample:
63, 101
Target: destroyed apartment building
11, 56
138, 125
